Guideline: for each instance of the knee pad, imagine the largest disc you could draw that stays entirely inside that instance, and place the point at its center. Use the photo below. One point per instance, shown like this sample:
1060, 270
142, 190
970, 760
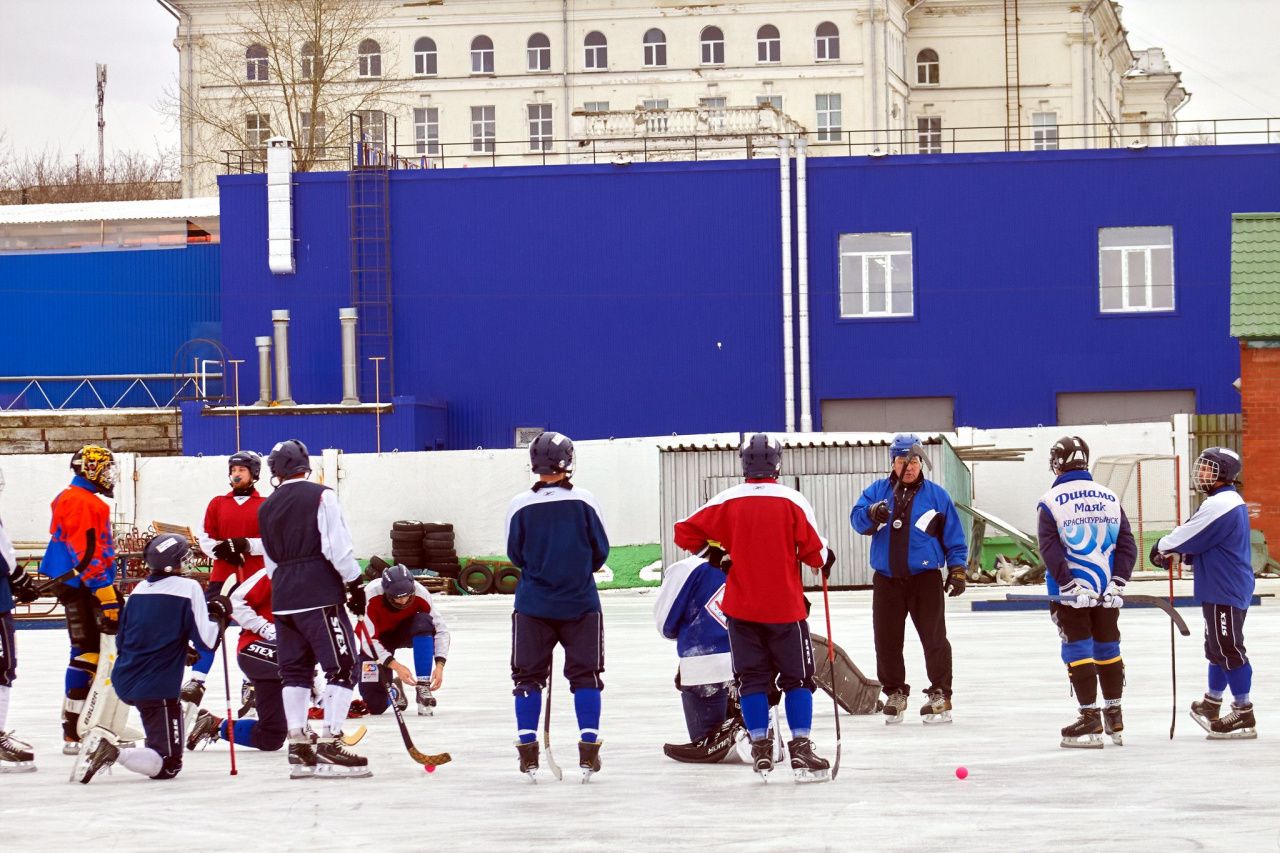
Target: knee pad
421, 625
1078, 651
82, 624
1106, 652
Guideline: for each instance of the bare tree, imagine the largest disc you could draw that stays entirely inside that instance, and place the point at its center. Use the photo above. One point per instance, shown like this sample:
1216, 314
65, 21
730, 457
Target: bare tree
292, 68
48, 178
1199, 136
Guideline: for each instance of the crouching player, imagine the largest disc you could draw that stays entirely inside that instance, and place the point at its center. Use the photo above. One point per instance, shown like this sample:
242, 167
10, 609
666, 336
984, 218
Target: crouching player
163, 615
251, 607
400, 614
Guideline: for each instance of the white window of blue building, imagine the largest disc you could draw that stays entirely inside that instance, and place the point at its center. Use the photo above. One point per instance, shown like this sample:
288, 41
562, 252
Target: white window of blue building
426, 130
1044, 131
876, 275
1135, 269
829, 109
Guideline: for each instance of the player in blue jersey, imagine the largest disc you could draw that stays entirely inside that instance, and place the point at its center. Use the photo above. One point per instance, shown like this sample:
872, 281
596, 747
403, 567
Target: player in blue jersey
15, 586
1089, 554
164, 614
1215, 540
556, 536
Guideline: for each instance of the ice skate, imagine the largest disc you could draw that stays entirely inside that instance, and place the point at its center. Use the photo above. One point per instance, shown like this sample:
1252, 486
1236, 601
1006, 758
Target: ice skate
248, 699
937, 709
302, 755
1113, 724
70, 747
528, 759
708, 749
762, 757
70, 738
96, 752
358, 709
1086, 732
806, 764
426, 701
1237, 725
894, 707
334, 761
1205, 712
204, 732
588, 759
192, 691
15, 755
398, 695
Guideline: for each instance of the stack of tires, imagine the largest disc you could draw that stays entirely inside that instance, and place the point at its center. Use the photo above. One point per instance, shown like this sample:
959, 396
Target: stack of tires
425, 545
480, 578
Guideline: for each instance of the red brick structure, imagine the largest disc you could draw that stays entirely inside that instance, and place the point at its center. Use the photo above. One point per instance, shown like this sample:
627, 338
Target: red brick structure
1260, 392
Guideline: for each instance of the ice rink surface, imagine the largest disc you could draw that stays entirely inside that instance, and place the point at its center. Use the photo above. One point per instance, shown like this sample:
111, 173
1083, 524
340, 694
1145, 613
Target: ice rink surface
897, 788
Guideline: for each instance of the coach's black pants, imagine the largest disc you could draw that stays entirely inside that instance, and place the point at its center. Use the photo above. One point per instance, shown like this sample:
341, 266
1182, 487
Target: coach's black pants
892, 601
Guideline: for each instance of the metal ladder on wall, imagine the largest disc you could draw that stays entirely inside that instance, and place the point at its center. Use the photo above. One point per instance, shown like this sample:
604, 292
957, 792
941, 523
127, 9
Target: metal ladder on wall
1012, 79
369, 208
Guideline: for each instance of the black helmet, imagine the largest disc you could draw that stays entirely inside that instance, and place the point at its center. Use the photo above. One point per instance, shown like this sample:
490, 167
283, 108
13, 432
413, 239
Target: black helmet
1215, 465
396, 583
165, 553
761, 457
551, 453
288, 458
247, 459
1069, 453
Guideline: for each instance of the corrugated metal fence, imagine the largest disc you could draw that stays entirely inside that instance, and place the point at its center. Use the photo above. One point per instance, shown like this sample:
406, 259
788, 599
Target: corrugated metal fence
830, 474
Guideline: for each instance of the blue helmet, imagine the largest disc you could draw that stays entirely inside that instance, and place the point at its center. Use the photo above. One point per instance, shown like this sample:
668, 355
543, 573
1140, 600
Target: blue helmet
551, 453
908, 444
761, 456
288, 458
1214, 465
396, 583
247, 459
165, 553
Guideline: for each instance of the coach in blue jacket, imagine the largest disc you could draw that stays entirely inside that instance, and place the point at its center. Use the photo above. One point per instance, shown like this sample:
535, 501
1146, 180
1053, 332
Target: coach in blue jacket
916, 540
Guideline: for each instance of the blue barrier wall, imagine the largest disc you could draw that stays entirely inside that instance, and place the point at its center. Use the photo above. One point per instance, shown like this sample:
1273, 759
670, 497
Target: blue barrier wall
645, 300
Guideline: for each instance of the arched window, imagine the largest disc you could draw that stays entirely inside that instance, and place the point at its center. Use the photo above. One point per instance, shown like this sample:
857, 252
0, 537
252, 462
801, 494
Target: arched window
424, 57
370, 64
597, 48
655, 49
255, 64
539, 52
768, 44
712, 46
826, 42
311, 61
482, 55
927, 68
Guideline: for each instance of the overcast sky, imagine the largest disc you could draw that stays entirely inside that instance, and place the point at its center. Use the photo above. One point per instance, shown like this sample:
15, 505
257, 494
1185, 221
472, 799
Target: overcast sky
1226, 50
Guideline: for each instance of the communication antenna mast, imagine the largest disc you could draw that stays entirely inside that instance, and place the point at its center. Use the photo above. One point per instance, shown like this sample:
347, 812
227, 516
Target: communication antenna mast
102, 124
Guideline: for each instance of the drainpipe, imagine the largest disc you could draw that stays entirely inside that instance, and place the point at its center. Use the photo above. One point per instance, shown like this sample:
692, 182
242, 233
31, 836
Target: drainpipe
802, 279
564, 79
280, 323
264, 370
350, 393
788, 347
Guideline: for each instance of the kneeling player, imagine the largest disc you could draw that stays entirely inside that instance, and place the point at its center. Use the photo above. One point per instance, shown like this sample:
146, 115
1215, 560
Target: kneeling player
164, 614
251, 607
399, 614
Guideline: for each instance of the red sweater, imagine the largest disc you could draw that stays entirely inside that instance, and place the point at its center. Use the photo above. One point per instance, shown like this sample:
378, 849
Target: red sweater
233, 516
251, 607
765, 528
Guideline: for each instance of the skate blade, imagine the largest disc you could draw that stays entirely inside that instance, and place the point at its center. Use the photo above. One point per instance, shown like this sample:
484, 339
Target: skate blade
586, 775
1084, 742
1239, 734
806, 777
301, 771
1117, 738
1203, 722
339, 771
18, 766
937, 719
426, 712
893, 720
71, 747
533, 775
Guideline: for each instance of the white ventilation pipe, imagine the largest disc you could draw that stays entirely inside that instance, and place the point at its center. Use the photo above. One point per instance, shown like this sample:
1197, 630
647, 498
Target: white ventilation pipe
788, 346
280, 322
802, 279
350, 392
264, 370
280, 205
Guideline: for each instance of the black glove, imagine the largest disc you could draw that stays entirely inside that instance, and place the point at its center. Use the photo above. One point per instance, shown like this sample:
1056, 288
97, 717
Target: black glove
955, 583
107, 624
241, 546
192, 655
879, 513
718, 557
23, 586
355, 597
219, 608
226, 552
1157, 558
831, 561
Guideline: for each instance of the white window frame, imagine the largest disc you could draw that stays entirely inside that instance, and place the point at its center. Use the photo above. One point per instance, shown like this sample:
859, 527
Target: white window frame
425, 59
715, 107
369, 64
822, 45
540, 126
374, 123
308, 130
775, 100
768, 49
595, 56
426, 130
886, 258
482, 58
929, 134
1044, 131
308, 55
712, 49
659, 123
484, 129
595, 106
927, 68
257, 68
829, 130
655, 52
1128, 287
538, 57
257, 128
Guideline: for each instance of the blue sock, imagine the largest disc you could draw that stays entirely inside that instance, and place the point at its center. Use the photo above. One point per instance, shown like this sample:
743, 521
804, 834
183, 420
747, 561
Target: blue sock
244, 731
1240, 679
528, 708
800, 711
755, 714
424, 655
1217, 681
205, 663
586, 703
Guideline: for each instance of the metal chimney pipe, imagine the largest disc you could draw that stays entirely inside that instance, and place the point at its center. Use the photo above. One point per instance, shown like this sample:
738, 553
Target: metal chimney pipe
264, 370
350, 370
280, 322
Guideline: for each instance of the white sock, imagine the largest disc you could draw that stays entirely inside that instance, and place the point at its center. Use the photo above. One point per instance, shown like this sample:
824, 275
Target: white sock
4, 706
141, 759
337, 701
295, 701
199, 676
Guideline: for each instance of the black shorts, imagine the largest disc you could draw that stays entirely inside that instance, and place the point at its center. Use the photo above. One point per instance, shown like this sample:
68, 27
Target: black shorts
533, 641
1224, 635
763, 652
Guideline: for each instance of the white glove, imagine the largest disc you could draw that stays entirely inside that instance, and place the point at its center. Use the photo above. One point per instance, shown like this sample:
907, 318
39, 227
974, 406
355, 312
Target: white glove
1113, 595
268, 632
1076, 594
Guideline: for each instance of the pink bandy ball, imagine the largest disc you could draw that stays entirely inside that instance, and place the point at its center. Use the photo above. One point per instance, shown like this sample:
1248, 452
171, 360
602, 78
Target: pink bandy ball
961, 772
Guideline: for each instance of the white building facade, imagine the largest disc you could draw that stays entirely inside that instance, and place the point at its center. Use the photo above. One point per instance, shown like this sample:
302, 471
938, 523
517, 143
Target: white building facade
475, 82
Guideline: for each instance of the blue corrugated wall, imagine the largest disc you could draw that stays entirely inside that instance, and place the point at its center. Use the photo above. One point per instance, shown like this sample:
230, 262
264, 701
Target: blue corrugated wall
106, 312
643, 300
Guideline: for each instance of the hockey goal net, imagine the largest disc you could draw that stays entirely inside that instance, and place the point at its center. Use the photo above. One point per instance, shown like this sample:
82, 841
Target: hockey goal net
1150, 490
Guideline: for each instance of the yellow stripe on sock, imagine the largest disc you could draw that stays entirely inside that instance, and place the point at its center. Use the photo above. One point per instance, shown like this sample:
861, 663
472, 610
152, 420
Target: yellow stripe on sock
1115, 659
1081, 662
